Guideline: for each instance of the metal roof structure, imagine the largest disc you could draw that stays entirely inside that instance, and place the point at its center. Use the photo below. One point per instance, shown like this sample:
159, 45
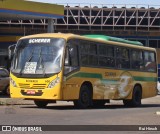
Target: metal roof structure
103, 17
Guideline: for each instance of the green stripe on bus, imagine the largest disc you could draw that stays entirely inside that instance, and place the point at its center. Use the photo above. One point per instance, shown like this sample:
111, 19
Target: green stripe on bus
99, 76
88, 75
151, 79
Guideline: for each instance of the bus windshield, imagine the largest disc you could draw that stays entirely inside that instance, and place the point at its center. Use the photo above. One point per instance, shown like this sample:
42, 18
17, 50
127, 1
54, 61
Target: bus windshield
38, 56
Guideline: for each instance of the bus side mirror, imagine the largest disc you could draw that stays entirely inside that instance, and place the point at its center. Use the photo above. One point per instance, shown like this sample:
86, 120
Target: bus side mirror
11, 49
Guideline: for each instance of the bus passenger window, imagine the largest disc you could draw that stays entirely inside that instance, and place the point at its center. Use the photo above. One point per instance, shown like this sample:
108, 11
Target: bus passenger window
122, 60
88, 52
150, 61
137, 60
93, 60
106, 61
84, 59
106, 56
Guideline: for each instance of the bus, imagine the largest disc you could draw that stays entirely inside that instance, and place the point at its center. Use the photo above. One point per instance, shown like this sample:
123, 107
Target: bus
89, 70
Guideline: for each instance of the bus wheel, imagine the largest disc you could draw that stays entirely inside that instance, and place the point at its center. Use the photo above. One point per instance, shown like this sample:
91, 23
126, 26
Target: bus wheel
6, 91
136, 98
41, 104
85, 98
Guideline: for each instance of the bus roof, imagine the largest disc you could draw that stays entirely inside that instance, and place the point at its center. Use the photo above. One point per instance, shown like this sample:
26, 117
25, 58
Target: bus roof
57, 35
107, 39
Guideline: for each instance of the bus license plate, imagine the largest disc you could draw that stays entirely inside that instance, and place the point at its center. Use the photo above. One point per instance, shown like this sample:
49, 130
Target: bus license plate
31, 92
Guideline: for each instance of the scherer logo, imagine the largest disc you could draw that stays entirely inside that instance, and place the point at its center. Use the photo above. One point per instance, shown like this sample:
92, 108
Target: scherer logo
39, 40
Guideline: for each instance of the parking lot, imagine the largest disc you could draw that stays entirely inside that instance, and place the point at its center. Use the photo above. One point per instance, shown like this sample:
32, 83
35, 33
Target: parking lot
18, 111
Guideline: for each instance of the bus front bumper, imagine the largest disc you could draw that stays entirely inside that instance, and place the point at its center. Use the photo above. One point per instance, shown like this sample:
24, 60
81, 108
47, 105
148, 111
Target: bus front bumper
47, 93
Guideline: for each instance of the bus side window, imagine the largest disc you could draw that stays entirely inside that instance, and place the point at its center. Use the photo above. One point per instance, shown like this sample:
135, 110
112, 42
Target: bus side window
122, 58
150, 61
137, 60
66, 63
88, 53
71, 58
73, 55
106, 56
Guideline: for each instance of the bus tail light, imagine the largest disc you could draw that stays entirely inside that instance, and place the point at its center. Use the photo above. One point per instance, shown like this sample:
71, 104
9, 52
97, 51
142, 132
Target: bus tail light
54, 82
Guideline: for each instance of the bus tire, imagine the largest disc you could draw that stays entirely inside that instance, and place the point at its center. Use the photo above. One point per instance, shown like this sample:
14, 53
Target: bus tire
136, 98
85, 98
6, 91
40, 103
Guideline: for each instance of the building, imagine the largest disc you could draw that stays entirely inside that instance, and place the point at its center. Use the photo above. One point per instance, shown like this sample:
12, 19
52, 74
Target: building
23, 11
134, 22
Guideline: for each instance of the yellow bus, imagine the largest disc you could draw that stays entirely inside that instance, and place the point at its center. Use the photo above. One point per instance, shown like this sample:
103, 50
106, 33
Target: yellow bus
89, 70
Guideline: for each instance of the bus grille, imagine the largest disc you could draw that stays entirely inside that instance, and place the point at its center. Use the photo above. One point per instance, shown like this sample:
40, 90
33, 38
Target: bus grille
32, 86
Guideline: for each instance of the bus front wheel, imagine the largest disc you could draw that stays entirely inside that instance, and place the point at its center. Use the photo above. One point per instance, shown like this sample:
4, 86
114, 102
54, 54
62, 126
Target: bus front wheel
85, 98
40, 103
136, 98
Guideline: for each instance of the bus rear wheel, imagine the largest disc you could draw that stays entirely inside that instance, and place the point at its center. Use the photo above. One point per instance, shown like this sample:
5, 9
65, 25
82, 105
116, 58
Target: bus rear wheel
40, 103
85, 98
136, 98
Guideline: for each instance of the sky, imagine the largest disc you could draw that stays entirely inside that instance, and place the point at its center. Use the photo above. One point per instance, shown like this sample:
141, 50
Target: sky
116, 2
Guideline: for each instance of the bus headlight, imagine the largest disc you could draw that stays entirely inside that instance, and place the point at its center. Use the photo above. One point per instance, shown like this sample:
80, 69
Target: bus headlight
54, 82
13, 82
